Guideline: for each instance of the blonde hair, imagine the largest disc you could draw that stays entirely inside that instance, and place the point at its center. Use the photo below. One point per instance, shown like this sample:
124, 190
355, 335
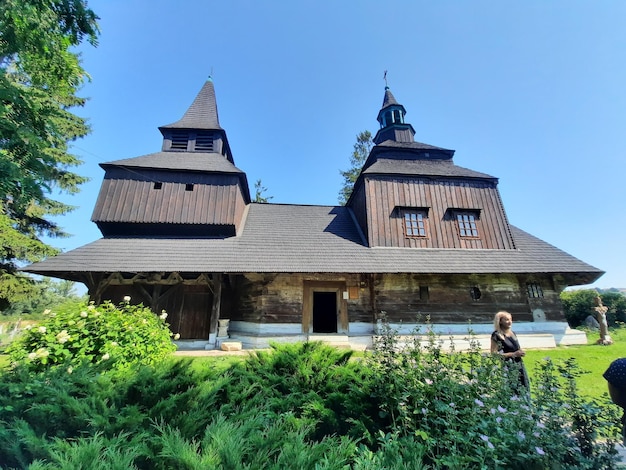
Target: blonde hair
496, 320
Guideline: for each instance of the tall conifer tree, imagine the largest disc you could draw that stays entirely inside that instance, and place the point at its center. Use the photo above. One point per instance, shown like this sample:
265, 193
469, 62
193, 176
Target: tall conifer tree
40, 75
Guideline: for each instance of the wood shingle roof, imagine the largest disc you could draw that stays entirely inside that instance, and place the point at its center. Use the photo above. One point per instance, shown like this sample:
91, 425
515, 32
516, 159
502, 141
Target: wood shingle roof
280, 238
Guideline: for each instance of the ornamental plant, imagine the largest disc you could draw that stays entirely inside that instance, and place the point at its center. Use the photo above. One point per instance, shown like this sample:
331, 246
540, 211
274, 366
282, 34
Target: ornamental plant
465, 410
108, 335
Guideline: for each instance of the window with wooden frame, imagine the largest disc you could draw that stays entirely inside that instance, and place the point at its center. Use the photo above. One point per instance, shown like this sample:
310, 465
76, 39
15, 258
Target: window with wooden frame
415, 222
534, 290
466, 221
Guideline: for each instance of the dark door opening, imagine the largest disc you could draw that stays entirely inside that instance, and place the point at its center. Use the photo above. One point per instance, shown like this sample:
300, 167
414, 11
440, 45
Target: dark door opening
324, 312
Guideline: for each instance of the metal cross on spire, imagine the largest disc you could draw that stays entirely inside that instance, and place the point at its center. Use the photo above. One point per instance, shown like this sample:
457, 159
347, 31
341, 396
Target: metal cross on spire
385, 78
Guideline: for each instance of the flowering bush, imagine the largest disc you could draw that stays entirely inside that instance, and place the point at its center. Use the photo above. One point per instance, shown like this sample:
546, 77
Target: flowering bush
467, 410
109, 335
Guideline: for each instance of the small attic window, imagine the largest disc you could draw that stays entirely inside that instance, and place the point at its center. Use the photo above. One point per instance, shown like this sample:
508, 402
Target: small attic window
158, 185
179, 141
204, 142
189, 187
466, 221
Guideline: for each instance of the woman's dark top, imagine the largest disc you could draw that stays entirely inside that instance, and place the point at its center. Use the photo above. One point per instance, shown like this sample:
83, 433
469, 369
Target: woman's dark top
509, 344
506, 344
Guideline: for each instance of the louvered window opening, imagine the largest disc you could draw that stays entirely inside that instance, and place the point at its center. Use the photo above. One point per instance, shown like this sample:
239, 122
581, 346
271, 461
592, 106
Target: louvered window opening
179, 141
204, 142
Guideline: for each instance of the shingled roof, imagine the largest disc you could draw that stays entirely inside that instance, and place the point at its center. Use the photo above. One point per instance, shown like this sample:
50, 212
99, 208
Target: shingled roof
202, 114
307, 239
439, 168
178, 161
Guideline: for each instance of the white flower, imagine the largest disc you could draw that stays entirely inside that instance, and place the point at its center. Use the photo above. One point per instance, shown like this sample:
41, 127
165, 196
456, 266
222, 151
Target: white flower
41, 352
105, 357
479, 402
163, 315
42, 329
84, 314
28, 327
428, 381
520, 435
501, 409
70, 369
46, 311
91, 307
113, 343
540, 451
177, 336
32, 356
63, 337
127, 298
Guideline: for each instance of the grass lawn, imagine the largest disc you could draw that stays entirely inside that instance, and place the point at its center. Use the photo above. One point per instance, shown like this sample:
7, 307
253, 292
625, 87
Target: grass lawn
592, 358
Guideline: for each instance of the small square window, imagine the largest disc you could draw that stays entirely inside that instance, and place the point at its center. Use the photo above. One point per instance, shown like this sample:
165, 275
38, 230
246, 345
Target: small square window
158, 185
189, 187
467, 224
415, 223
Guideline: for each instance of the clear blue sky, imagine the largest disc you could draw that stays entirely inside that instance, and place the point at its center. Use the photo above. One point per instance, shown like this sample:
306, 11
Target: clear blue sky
531, 92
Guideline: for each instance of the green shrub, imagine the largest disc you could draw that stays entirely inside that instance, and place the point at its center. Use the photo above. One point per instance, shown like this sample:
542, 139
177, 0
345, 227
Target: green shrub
467, 412
316, 382
75, 334
307, 405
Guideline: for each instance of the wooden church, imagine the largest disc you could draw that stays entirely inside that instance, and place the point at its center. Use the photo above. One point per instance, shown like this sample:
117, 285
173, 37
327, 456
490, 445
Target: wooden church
421, 241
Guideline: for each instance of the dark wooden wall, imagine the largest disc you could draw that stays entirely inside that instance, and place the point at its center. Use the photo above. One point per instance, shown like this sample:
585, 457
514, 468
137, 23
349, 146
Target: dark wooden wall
385, 223
188, 307
127, 197
449, 300
278, 298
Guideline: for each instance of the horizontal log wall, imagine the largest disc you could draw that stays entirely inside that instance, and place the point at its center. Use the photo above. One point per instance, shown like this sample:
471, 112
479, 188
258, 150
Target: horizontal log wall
278, 298
449, 298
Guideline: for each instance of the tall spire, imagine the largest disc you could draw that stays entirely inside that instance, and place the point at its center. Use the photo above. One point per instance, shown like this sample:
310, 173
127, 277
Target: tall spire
199, 129
202, 114
391, 119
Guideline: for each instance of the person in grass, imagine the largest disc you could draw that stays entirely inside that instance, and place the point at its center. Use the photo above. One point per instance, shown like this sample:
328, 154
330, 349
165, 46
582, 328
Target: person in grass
615, 376
505, 343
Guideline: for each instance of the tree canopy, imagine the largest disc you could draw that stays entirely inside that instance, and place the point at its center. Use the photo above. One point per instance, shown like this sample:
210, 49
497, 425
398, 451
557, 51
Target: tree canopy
40, 75
361, 151
579, 304
260, 190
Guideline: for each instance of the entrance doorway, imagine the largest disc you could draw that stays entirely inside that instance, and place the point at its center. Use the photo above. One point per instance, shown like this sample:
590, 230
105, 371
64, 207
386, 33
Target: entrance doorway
324, 308
324, 312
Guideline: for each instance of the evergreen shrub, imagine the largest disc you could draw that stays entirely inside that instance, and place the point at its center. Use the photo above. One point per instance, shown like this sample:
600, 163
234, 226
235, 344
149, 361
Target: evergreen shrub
107, 334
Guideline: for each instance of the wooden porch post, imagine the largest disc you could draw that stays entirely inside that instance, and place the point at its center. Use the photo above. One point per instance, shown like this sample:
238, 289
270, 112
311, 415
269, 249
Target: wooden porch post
215, 310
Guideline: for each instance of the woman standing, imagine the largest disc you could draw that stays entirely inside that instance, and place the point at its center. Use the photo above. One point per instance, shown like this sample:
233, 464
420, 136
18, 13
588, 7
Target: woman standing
505, 343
